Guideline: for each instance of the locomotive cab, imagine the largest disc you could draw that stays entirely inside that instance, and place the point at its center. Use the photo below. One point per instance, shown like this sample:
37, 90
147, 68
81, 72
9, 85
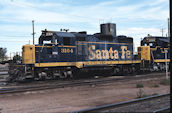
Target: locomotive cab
30, 51
48, 38
55, 47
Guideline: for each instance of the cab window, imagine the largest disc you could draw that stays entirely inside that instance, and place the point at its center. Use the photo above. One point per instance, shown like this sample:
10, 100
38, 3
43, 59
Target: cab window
46, 41
56, 41
80, 38
150, 44
66, 41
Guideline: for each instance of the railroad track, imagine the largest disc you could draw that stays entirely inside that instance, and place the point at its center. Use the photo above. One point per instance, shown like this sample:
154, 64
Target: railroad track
54, 85
2, 69
151, 104
163, 110
68, 83
3, 74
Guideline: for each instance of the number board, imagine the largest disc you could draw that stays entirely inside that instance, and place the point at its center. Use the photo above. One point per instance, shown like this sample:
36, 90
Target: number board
66, 50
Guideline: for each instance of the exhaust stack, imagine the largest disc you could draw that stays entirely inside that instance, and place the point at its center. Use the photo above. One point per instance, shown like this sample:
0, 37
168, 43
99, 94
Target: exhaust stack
108, 29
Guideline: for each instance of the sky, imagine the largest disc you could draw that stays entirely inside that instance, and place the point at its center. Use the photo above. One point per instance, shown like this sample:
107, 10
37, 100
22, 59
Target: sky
133, 18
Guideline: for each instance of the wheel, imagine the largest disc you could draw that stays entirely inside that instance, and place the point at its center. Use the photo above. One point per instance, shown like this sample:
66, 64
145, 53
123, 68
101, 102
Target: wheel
20, 76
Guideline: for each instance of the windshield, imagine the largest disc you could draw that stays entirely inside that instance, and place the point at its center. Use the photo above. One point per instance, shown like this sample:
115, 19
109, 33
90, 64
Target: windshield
48, 40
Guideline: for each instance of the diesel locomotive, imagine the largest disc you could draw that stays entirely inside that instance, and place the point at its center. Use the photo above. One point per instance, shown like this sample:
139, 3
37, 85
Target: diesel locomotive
71, 54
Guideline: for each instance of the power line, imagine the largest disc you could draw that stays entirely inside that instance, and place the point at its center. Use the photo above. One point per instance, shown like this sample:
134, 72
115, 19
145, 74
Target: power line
13, 36
168, 27
13, 41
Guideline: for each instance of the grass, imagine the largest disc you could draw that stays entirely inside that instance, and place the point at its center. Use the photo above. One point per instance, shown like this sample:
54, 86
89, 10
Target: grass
156, 85
139, 85
141, 94
144, 95
154, 94
165, 82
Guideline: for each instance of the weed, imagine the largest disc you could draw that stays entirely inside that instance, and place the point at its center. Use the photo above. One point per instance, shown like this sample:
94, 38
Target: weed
139, 85
165, 82
141, 94
156, 85
154, 94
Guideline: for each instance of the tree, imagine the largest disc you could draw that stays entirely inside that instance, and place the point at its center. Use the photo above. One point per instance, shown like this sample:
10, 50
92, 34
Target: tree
17, 58
3, 52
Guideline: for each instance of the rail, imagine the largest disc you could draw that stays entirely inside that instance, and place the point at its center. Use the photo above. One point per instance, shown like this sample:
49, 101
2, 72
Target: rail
163, 110
120, 104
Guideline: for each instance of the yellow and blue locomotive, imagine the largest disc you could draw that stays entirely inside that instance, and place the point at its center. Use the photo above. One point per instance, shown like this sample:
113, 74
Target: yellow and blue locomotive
154, 53
70, 54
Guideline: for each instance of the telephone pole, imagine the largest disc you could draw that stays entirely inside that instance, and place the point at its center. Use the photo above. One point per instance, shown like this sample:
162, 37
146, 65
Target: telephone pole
33, 32
162, 30
166, 67
168, 27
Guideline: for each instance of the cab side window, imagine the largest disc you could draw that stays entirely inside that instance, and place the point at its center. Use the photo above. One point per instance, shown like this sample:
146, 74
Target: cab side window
66, 41
56, 41
150, 44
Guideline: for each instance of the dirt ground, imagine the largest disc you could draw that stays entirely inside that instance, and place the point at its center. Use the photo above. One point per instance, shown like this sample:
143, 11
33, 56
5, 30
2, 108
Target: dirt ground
81, 97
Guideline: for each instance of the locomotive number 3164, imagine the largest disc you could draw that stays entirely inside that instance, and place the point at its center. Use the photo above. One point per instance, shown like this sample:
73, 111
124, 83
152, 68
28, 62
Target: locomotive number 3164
66, 50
